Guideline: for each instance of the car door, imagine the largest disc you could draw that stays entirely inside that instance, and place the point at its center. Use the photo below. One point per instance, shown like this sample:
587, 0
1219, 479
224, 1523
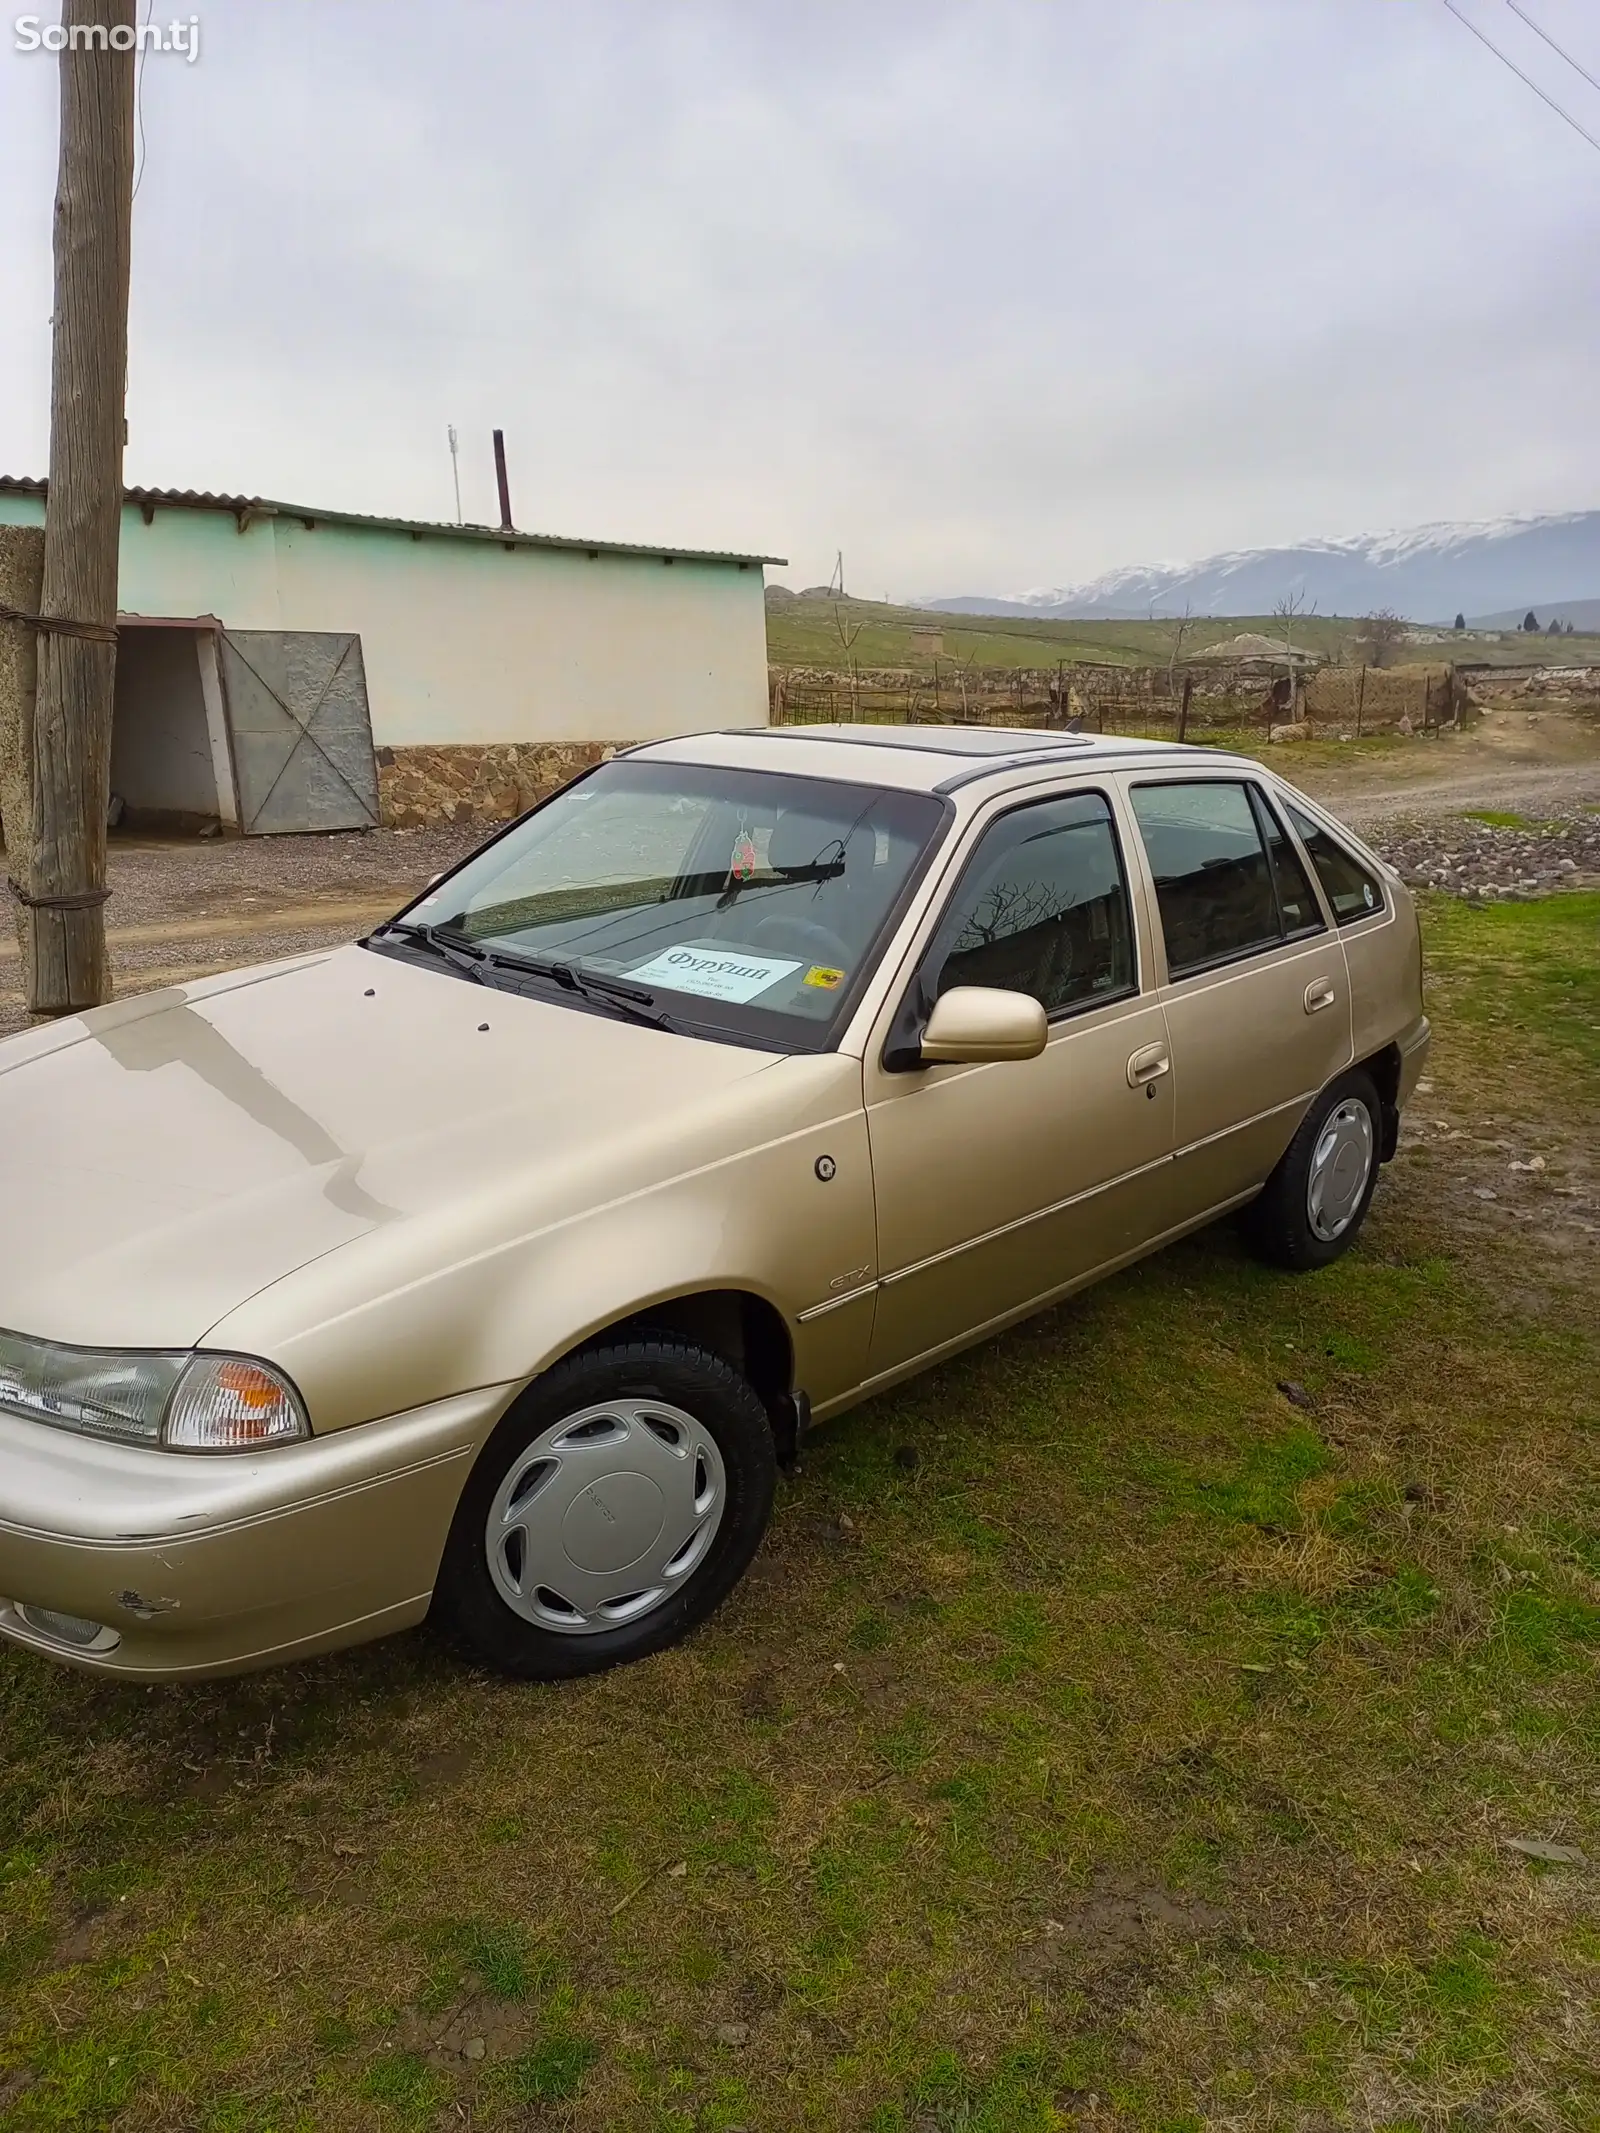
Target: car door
1000, 1184
1256, 992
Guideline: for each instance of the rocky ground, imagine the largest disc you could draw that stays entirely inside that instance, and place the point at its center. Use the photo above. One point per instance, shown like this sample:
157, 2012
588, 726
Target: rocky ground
1466, 856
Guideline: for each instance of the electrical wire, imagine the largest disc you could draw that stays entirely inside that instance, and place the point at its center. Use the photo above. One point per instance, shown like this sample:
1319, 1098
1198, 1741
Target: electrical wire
1577, 65
138, 104
1542, 95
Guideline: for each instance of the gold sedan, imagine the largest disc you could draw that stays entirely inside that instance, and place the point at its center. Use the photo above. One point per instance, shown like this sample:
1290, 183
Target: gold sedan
488, 1268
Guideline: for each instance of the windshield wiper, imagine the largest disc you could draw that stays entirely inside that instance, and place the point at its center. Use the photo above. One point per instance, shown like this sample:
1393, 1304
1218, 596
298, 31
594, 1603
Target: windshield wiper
631, 1000
472, 962
478, 962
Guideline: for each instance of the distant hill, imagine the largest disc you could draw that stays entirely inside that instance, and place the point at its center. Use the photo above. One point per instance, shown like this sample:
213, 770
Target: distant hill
1428, 574
1582, 614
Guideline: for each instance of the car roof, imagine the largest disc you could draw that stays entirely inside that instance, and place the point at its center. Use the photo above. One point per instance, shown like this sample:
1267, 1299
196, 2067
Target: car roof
935, 759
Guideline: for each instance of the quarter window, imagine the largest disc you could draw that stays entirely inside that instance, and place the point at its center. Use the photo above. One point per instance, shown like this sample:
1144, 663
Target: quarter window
1042, 909
1347, 884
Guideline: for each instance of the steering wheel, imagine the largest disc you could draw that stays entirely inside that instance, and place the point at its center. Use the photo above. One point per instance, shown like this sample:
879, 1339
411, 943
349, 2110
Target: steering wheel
787, 934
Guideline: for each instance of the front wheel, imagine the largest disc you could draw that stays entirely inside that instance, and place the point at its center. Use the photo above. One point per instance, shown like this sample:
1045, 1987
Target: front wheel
617, 1503
1315, 1202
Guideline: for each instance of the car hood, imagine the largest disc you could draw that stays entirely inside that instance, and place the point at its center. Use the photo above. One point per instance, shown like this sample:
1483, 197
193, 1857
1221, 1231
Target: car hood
165, 1158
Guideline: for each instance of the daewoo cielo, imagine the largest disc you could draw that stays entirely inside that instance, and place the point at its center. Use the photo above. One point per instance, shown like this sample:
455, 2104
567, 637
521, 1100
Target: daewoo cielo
489, 1267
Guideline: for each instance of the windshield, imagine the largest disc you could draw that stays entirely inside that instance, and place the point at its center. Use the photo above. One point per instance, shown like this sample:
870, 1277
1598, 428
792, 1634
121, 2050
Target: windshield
742, 901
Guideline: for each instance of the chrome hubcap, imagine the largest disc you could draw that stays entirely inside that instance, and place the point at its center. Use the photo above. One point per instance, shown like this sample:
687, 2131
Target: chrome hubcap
1341, 1164
604, 1516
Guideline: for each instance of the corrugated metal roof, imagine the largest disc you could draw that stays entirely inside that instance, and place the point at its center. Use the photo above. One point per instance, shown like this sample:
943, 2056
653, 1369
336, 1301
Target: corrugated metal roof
250, 507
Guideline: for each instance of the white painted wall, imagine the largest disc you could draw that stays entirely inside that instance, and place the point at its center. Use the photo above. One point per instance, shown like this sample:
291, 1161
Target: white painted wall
466, 640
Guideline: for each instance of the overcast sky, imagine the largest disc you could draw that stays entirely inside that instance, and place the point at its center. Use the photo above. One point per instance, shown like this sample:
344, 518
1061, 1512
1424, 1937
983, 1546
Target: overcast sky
990, 296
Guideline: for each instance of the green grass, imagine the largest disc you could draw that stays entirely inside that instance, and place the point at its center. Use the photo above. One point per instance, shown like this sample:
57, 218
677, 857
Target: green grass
814, 633
1140, 1755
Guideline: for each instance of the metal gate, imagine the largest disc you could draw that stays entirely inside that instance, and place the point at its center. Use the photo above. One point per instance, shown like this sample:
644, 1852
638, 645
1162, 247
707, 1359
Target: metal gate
302, 734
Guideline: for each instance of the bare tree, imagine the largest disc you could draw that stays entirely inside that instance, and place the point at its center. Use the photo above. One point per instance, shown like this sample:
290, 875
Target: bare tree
847, 637
1381, 632
1007, 909
1288, 610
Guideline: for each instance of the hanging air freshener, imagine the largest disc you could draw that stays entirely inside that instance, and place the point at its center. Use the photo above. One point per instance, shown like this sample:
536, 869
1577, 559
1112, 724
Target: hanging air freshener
744, 861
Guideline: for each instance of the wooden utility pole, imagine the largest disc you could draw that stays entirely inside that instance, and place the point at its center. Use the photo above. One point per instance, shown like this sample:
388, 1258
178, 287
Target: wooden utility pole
21, 575
62, 883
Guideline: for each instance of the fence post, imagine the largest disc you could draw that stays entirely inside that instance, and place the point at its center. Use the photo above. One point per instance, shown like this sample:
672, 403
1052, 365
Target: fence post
1183, 708
1361, 696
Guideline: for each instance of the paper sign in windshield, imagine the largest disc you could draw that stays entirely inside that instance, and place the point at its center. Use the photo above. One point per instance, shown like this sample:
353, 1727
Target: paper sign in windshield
713, 972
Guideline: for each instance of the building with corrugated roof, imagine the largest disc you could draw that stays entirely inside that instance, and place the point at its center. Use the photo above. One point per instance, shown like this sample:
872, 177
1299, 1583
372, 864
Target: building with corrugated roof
282, 667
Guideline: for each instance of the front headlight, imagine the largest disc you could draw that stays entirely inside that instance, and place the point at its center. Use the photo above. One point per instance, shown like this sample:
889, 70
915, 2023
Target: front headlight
191, 1403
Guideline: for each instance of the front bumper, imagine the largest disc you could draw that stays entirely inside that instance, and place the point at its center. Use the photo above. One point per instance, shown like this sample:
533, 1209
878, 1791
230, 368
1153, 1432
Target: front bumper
196, 1565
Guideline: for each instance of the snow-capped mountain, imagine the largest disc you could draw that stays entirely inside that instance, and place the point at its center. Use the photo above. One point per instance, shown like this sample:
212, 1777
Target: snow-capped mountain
1428, 574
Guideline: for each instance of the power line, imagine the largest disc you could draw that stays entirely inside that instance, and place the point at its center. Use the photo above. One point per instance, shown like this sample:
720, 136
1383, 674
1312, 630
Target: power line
138, 102
1575, 64
1543, 97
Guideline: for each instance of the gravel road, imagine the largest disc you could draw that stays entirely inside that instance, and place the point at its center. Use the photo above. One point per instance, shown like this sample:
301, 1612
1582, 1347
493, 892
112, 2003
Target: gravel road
1535, 790
181, 910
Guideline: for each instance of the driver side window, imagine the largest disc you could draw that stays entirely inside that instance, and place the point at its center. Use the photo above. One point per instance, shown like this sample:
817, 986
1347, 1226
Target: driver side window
1042, 908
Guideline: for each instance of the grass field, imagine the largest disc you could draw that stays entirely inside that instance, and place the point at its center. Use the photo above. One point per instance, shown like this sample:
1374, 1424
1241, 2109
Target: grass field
806, 634
1106, 1738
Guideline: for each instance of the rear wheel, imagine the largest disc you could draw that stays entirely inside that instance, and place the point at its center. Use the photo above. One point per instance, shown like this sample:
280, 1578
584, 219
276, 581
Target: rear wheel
617, 1503
1315, 1202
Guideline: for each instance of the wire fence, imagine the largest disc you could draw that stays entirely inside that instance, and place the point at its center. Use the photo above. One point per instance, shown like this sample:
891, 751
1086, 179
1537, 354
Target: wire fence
1154, 703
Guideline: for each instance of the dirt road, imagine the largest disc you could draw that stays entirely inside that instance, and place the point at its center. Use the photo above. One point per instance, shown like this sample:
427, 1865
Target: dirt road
181, 910
1531, 762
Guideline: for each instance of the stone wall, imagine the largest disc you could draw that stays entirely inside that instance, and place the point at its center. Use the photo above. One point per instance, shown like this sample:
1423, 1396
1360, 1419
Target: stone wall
491, 782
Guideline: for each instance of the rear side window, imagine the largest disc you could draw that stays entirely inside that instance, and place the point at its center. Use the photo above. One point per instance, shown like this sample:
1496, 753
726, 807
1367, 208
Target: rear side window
1213, 877
1295, 898
1350, 887
1042, 908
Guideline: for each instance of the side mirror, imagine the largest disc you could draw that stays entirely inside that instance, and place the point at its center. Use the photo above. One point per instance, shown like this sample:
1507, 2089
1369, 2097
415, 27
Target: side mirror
972, 1024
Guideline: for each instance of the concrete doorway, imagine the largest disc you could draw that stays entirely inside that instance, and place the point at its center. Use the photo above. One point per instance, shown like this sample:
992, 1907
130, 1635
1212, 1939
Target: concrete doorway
171, 761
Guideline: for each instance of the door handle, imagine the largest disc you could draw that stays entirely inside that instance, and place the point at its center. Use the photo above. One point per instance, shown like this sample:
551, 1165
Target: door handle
1148, 1064
1320, 993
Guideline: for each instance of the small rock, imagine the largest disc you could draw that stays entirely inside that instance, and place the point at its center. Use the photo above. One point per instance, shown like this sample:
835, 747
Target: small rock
733, 2033
475, 2048
1484, 1192
1534, 1162
1296, 1395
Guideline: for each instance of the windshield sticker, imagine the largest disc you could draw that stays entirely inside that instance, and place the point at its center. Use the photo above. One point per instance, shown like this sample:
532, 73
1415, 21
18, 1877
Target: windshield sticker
711, 971
821, 974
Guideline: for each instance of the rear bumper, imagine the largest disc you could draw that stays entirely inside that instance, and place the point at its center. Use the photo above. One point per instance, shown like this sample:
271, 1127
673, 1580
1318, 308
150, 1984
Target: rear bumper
197, 1566
1414, 1055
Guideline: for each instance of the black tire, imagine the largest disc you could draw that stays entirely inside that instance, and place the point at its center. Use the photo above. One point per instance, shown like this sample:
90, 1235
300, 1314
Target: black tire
1278, 1225
467, 1603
